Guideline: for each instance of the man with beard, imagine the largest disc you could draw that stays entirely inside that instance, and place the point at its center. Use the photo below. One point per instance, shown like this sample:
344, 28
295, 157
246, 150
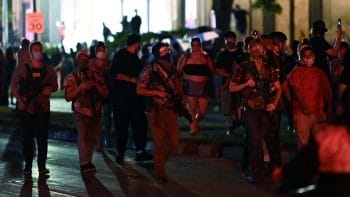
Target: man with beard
160, 82
226, 64
128, 107
258, 81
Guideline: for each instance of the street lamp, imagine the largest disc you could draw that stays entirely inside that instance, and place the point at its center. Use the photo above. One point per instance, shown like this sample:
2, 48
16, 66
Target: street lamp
4, 23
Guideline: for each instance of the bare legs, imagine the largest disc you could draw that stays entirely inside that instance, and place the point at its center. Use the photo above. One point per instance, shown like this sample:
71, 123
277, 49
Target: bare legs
198, 108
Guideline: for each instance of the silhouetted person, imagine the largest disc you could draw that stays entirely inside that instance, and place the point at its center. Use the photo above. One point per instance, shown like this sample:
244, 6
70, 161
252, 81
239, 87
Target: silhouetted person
125, 24
23, 56
322, 49
106, 32
241, 20
135, 23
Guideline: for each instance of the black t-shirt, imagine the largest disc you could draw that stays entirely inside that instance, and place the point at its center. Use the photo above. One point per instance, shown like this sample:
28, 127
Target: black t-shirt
345, 76
227, 58
345, 79
124, 92
320, 46
346, 60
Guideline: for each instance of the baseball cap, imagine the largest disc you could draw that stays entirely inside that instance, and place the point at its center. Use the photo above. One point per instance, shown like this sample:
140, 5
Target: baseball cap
319, 26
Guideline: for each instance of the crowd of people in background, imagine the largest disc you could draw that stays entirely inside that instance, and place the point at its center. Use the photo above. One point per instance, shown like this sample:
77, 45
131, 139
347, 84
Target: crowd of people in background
258, 82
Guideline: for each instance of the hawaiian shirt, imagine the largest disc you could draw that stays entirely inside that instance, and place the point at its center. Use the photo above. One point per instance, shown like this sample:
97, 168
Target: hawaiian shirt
253, 96
89, 102
148, 78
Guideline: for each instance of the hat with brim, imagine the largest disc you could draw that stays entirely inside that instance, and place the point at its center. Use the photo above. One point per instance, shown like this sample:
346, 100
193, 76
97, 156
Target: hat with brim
319, 26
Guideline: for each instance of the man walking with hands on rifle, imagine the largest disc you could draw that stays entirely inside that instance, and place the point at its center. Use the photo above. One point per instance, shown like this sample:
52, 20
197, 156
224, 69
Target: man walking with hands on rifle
258, 80
163, 110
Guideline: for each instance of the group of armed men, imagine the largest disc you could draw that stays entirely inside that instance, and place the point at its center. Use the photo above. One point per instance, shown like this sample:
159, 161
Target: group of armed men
257, 86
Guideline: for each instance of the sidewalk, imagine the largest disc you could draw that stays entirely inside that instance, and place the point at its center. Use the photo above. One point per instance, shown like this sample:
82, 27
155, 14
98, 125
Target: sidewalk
188, 175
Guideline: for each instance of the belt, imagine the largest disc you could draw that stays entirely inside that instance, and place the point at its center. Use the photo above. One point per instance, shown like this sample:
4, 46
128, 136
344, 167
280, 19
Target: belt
256, 105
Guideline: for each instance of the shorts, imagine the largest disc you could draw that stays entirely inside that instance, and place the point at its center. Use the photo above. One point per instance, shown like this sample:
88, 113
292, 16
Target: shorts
195, 89
230, 101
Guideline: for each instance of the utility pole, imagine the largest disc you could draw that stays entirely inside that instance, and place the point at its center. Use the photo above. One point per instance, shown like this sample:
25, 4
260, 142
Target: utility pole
148, 15
292, 21
122, 7
34, 10
4, 23
250, 17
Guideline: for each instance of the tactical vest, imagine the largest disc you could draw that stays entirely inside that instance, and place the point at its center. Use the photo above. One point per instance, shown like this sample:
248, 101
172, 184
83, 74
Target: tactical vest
32, 83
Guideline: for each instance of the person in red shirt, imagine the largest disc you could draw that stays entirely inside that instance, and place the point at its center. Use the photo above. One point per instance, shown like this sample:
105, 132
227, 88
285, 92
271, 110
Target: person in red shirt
311, 96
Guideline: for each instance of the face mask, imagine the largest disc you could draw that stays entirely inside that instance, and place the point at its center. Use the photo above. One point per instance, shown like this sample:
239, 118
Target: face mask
230, 45
308, 62
101, 55
37, 56
83, 68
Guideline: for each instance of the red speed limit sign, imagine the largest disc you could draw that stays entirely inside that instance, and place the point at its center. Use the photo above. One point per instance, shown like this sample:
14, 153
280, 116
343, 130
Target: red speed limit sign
35, 22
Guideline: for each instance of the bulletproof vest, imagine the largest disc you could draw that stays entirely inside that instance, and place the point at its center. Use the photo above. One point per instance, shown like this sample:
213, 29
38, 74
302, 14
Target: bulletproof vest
32, 84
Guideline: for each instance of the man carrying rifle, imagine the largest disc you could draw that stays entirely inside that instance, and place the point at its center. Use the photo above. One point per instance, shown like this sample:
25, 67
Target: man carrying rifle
155, 81
258, 80
32, 85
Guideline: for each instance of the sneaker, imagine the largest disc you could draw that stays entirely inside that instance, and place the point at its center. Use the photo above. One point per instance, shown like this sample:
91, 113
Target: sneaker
107, 142
143, 156
230, 130
245, 173
44, 171
254, 180
119, 159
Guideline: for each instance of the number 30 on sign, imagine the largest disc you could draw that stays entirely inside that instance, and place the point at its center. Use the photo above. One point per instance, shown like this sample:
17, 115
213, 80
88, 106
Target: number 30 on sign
35, 22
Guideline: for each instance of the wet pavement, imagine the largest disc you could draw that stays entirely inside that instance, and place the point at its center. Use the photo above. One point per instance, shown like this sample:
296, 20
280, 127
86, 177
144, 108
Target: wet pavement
187, 175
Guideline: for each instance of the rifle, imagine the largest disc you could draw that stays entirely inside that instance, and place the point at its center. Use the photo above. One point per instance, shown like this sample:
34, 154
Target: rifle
92, 95
263, 85
267, 91
174, 96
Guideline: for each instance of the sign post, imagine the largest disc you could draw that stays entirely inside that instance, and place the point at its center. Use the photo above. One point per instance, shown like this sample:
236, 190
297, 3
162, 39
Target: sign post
35, 22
